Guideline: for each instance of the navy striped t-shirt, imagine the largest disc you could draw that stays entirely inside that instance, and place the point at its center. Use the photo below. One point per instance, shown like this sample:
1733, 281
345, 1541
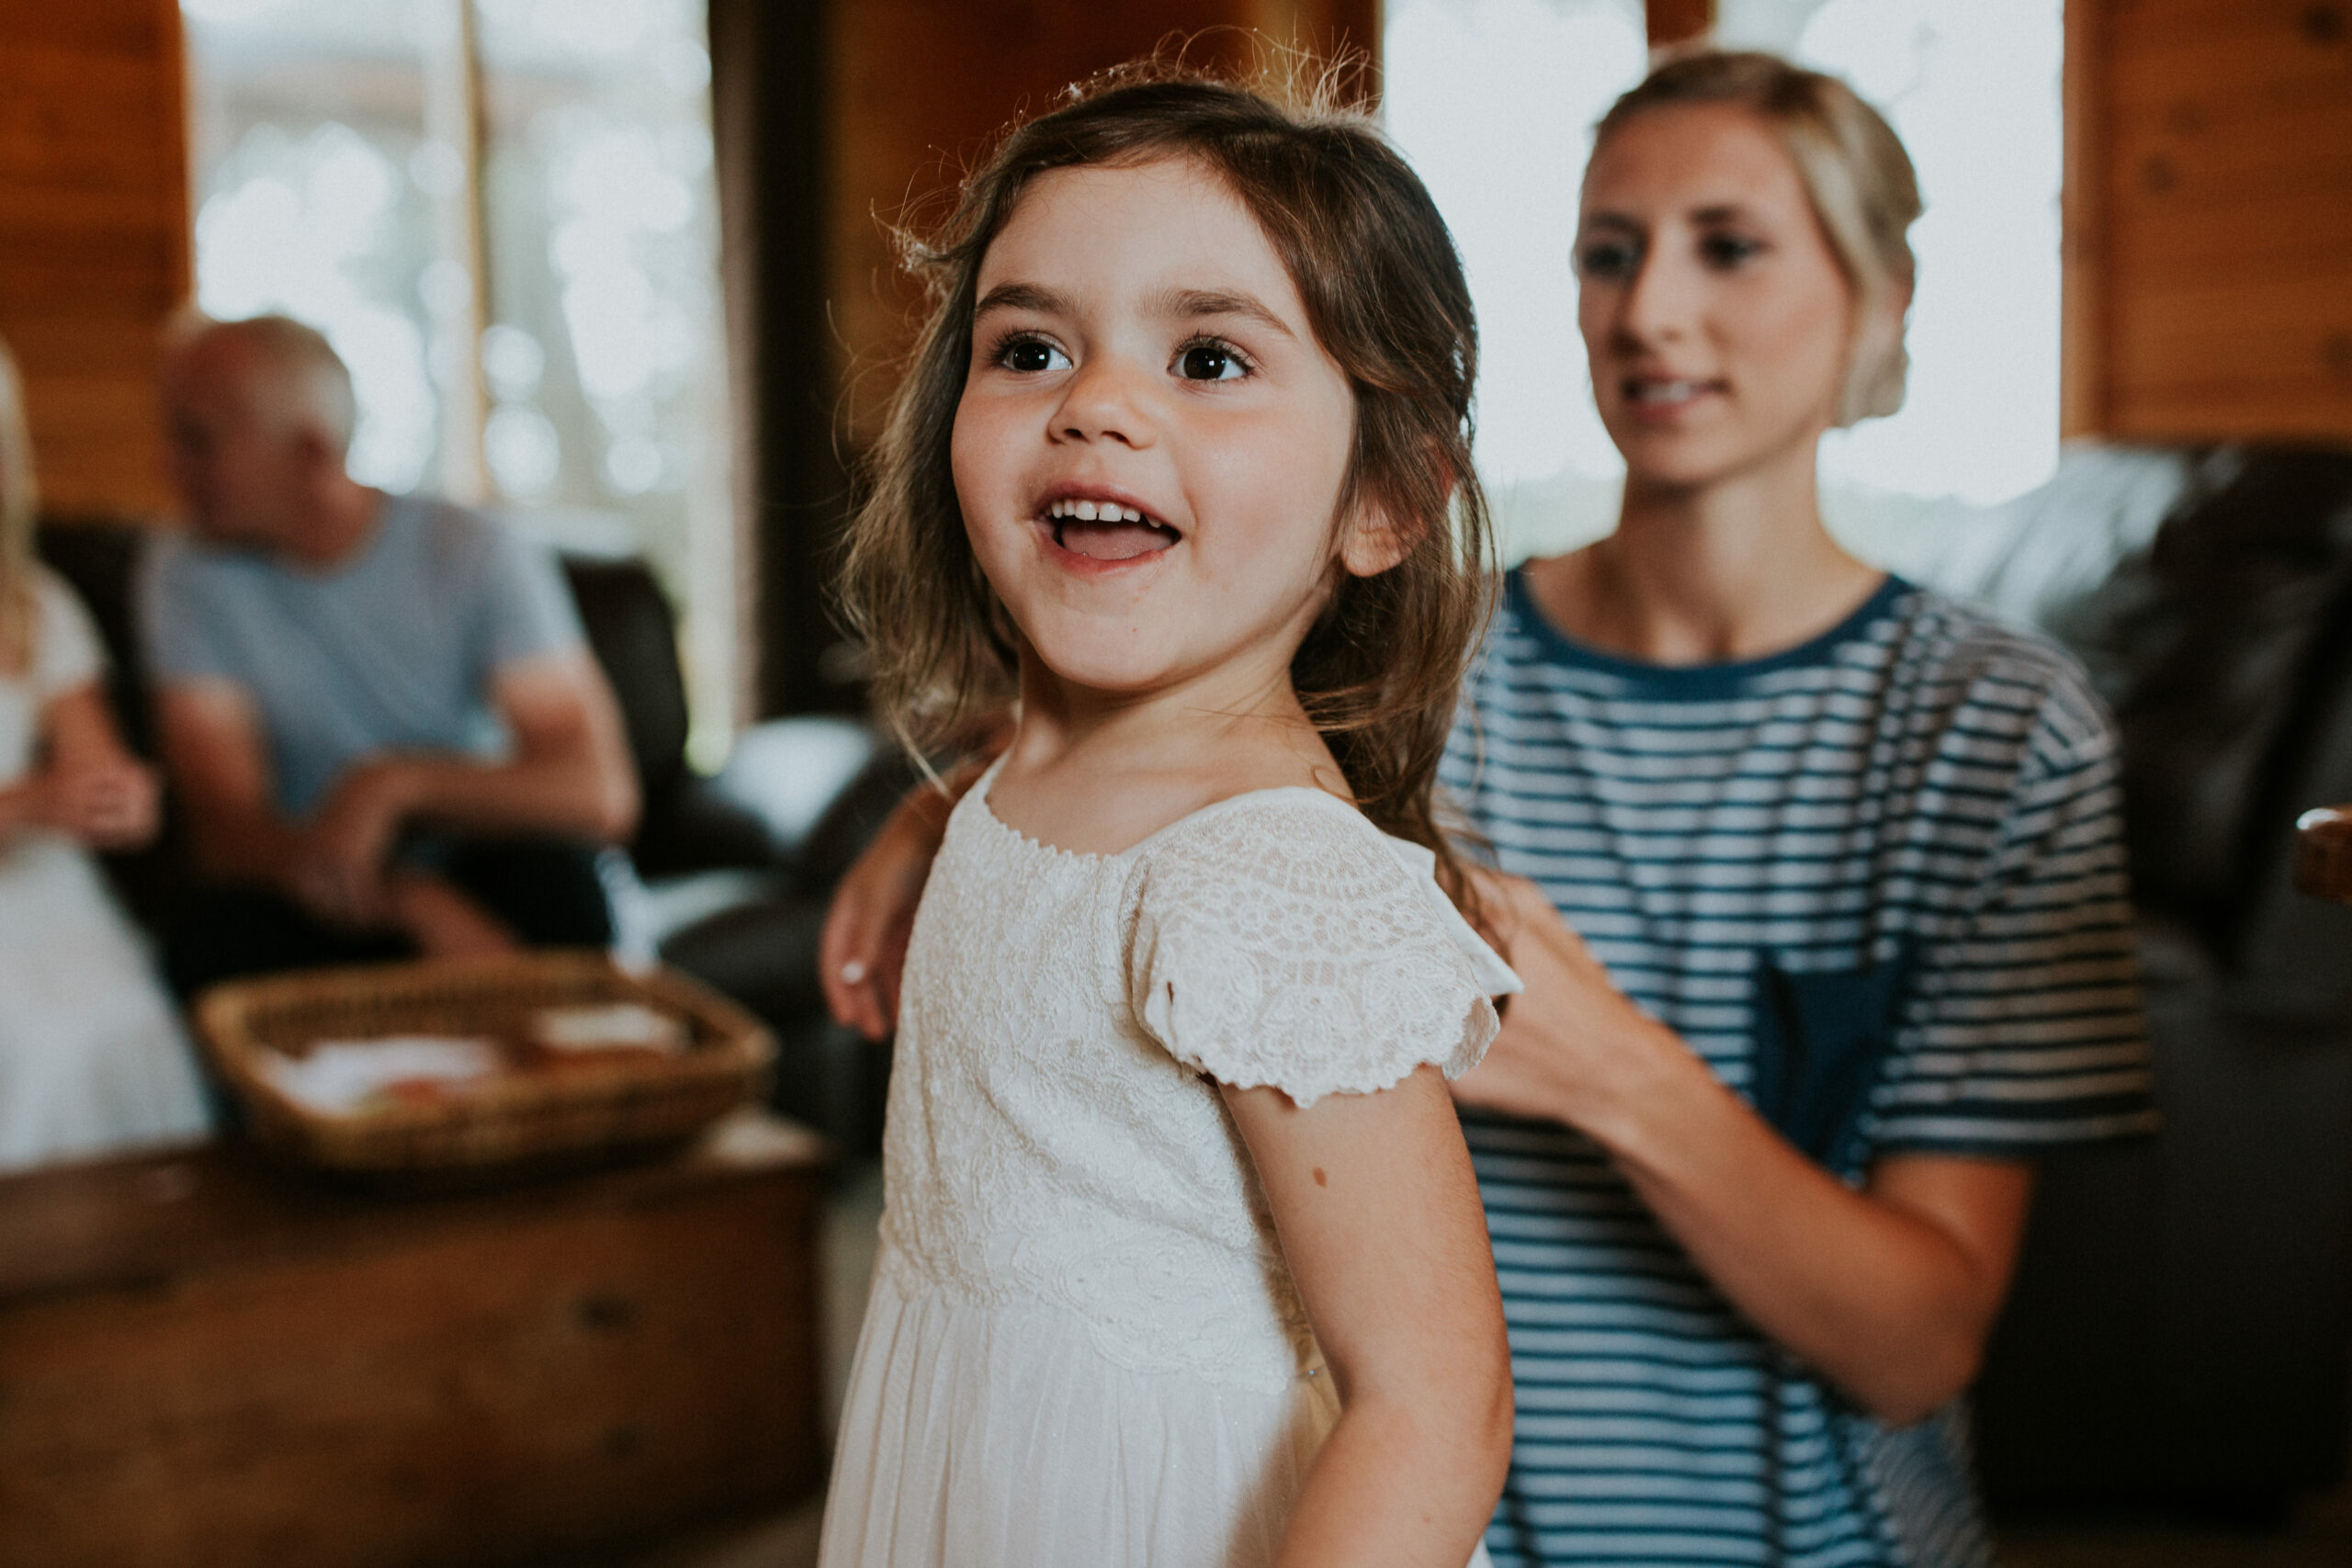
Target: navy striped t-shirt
1877, 882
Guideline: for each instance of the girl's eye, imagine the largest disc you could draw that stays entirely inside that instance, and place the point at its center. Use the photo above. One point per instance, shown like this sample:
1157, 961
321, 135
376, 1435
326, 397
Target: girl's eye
1210, 362
1031, 356
1725, 252
1616, 260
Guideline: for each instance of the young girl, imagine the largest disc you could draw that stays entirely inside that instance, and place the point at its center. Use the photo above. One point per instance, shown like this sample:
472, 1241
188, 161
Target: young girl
1181, 1260
91, 1055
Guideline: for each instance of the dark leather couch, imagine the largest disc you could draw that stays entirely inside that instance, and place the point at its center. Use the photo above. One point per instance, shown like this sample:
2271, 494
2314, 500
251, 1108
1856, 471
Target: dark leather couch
733, 869
2182, 1320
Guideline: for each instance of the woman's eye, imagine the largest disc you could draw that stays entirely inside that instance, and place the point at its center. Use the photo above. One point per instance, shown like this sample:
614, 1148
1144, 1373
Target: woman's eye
1615, 259
1032, 355
1724, 252
1210, 362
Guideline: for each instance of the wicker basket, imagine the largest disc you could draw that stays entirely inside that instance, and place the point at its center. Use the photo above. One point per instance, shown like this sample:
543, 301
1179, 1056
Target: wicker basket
522, 1120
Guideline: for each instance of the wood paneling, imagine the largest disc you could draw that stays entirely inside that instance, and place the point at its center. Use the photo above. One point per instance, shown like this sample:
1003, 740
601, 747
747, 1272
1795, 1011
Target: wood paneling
924, 87
94, 237
2210, 219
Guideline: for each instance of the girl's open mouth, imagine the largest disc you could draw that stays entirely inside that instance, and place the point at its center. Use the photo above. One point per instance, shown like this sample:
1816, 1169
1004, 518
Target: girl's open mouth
1106, 531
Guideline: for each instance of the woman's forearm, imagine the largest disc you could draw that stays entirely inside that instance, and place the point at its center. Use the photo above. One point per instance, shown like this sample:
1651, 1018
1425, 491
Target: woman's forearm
1888, 1292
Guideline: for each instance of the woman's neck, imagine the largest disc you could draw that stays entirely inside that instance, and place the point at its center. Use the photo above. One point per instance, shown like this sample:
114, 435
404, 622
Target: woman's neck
1736, 570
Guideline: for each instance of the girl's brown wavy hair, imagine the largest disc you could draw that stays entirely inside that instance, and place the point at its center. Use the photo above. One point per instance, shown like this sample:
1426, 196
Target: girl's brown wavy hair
1385, 296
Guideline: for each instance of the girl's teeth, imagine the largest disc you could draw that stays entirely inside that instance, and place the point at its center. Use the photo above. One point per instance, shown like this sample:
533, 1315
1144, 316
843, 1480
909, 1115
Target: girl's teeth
1092, 511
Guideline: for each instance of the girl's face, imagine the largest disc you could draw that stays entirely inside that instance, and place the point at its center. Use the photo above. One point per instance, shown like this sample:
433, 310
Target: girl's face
1718, 320
1150, 444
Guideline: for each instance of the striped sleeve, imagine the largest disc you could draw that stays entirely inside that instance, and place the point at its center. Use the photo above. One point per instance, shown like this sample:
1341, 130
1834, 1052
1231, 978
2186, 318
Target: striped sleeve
2025, 1031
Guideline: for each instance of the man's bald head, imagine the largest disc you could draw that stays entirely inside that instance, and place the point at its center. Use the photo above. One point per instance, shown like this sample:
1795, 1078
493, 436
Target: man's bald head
260, 416
287, 374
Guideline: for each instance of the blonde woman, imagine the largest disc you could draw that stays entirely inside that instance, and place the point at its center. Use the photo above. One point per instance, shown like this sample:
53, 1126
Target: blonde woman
92, 1057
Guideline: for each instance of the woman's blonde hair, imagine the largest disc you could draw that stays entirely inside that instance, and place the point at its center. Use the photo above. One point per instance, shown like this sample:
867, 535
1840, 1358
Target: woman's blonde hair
19, 500
1863, 188
1386, 295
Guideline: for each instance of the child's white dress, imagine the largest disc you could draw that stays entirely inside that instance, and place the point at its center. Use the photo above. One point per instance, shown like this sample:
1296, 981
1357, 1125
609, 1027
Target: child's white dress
1082, 1348
92, 1056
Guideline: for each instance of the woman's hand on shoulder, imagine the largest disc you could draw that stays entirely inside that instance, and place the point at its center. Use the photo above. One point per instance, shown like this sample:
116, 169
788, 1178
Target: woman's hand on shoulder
1573, 1048
863, 949
1378, 1214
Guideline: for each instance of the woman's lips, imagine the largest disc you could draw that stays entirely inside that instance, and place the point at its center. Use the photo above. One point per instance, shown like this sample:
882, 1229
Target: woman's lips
1665, 396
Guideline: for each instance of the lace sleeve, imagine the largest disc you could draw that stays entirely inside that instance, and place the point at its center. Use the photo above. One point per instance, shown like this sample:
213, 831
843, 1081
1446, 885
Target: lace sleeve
1279, 940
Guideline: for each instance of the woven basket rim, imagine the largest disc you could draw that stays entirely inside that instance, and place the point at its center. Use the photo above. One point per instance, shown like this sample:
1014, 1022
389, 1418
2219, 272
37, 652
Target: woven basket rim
630, 1097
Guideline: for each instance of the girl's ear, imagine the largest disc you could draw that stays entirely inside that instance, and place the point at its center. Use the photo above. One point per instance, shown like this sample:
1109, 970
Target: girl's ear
1374, 542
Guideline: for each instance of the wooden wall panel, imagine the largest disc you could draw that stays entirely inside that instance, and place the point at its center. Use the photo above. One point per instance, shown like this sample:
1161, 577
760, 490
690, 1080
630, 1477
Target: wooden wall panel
921, 88
94, 237
2210, 219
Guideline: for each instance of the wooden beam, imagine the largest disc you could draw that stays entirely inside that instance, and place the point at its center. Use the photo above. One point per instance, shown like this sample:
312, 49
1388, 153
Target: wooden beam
1673, 23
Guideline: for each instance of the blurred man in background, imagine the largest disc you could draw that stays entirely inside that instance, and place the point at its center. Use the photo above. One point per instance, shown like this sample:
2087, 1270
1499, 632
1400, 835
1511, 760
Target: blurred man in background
385, 731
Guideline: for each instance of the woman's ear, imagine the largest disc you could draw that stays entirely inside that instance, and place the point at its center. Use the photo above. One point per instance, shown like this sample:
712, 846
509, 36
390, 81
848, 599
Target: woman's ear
1876, 367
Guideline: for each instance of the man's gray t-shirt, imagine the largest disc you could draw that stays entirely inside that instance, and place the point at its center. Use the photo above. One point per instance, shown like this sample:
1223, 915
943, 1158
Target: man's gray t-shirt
393, 649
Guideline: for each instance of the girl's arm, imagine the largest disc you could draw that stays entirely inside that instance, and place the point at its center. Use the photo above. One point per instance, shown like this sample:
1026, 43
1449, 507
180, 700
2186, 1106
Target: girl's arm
1889, 1292
88, 786
1378, 1214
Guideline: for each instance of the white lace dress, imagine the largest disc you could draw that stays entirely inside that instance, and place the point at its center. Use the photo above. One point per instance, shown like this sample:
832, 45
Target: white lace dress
92, 1056
1082, 1346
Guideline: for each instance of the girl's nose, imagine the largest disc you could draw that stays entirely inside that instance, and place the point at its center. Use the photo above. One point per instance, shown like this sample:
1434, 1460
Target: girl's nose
1103, 400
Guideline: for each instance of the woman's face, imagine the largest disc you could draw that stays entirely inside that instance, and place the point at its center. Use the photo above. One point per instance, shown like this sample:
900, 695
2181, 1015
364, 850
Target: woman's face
1151, 442
1718, 322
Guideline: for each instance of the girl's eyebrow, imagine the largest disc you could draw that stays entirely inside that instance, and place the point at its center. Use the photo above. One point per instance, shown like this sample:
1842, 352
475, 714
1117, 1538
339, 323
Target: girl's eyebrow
1190, 304
1022, 297
1184, 304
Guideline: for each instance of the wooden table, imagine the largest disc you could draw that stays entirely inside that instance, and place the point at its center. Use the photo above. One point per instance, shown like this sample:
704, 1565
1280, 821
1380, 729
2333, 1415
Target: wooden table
206, 1358
2324, 852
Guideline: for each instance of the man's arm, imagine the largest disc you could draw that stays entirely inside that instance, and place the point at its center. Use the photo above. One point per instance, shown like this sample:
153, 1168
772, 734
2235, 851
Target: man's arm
212, 741
570, 774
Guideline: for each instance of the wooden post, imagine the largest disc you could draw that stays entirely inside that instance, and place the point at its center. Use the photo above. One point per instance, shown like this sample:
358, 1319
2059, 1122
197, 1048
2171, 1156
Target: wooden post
2082, 316
453, 118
